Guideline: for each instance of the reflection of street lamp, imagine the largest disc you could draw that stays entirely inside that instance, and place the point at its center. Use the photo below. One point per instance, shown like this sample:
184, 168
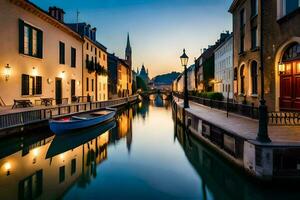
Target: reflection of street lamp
262, 135
7, 72
184, 60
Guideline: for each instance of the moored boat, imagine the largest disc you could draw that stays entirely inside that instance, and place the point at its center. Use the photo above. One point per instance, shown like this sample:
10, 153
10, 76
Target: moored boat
81, 121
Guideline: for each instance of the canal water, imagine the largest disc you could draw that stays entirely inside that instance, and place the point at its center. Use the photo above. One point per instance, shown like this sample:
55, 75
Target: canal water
144, 154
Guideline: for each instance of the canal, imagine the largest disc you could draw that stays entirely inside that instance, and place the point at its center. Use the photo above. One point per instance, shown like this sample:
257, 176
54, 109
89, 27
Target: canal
142, 155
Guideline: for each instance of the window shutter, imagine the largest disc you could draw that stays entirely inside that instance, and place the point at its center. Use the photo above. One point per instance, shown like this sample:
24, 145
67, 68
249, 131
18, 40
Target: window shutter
38, 87
73, 57
40, 43
61, 53
25, 84
21, 36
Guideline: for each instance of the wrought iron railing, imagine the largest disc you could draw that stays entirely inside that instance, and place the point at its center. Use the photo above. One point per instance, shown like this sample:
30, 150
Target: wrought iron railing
32, 115
284, 118
240, 109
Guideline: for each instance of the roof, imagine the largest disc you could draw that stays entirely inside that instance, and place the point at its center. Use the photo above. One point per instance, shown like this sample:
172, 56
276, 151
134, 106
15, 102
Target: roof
234, 5
34, 9
98, 44
223, 43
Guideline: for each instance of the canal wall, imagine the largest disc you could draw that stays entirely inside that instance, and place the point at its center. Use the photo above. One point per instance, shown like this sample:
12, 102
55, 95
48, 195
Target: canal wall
260, 160
19, 120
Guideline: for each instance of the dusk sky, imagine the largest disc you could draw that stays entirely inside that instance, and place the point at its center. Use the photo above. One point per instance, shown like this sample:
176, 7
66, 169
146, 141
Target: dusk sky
159, 29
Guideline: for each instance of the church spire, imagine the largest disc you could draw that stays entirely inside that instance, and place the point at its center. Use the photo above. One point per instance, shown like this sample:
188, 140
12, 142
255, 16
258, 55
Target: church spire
128, 52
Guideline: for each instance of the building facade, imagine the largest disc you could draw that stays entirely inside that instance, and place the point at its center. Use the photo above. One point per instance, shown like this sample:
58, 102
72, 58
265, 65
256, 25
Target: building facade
41, 57
224, 68
120, 74
280, 56
94, 70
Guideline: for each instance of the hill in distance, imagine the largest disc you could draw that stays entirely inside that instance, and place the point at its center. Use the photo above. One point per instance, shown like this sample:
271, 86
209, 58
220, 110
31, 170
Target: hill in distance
166, 78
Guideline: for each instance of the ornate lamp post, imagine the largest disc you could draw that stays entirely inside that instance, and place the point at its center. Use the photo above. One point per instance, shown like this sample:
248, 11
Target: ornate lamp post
262, 135
184, 60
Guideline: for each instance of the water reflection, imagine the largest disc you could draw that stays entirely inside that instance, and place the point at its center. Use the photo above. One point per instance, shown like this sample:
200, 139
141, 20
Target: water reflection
143, 154
45, 166
224, 181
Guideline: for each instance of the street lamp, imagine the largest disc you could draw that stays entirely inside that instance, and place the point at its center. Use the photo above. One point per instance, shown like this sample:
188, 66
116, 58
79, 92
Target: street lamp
184, 61
262, 135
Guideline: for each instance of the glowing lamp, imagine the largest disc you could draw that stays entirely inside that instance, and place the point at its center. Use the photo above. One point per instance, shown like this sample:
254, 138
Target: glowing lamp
184, 59
7, 72
7, 167
62, 75
281, 68
34, 71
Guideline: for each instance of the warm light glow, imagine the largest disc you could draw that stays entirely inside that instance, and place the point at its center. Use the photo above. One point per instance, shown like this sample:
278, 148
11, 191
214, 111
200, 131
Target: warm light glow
62, 75
7, 72
298, 67
78, 82
34, 71
281, 67
7, 166
184, 59
49, 80
62, 156
35, 152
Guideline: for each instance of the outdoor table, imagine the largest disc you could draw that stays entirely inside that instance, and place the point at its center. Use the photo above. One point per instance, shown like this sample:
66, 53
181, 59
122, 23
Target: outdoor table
23, 103
46, 101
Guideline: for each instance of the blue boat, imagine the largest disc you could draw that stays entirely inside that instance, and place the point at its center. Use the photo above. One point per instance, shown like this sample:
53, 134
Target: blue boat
66, 142
81, 121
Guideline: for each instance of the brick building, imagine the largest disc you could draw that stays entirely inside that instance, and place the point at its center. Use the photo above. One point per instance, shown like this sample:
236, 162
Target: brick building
281, 38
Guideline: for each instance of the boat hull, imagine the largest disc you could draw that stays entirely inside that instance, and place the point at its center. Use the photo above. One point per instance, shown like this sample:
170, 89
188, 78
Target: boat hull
62, 127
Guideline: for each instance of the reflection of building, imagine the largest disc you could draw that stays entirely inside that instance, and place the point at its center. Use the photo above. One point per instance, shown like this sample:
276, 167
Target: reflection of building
281, 31
26, 173
120, 74
94, 63
224, 68
44, 56
143, 74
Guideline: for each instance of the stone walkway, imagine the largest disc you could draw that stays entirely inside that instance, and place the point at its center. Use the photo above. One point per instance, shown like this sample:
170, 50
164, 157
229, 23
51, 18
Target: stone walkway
243, 126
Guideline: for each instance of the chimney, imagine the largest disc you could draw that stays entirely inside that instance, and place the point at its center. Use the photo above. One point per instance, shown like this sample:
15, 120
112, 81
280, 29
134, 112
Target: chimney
57, 13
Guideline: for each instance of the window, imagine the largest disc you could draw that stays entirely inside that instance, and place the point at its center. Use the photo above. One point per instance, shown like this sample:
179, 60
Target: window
292, 53
242, 79
62, 174
87, 84
87, 46
31, 85
73, 166
254, 77
30, 40
92, 85
286, 7
73, 57
242, 30
95, 52
254, 34
61, 53
254, 7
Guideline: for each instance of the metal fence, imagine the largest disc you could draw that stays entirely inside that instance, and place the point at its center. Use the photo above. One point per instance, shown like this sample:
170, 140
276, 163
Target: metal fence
32, 115
241, 109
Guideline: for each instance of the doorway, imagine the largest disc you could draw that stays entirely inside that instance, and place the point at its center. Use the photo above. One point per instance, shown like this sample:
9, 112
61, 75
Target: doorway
58, 90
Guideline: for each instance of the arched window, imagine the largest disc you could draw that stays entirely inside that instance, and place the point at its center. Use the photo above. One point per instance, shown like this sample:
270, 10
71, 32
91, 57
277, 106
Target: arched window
254, 77
242, 75
292, 53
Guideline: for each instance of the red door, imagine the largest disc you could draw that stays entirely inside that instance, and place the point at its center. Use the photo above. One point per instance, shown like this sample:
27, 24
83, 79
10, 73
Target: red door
290, 87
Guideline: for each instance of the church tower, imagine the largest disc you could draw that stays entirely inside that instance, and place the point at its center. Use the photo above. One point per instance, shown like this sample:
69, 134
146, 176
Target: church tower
128, 52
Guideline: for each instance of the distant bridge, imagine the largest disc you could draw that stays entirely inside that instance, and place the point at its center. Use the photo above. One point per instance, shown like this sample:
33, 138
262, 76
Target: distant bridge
152, 94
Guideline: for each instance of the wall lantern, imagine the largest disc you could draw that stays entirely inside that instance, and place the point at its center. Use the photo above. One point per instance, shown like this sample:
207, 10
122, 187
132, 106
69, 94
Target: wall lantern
78, 82
7, 167
7, 72
34, 71
49, 81
281, 68
62, 75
